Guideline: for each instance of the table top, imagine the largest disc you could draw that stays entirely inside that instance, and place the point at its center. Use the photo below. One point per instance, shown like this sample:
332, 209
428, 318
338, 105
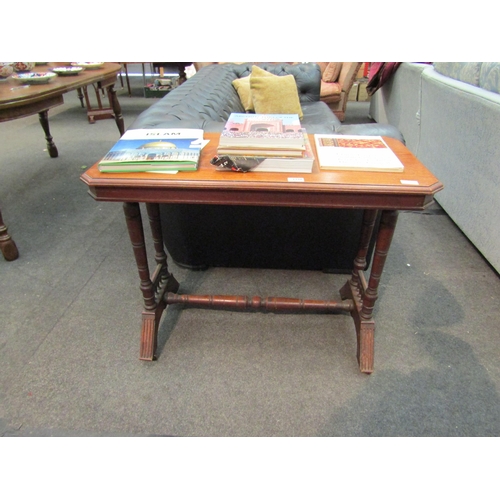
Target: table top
412, 189
14, 93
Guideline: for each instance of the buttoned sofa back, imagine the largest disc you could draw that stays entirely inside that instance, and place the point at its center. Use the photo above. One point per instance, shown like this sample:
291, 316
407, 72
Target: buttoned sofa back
208, 98
198, 236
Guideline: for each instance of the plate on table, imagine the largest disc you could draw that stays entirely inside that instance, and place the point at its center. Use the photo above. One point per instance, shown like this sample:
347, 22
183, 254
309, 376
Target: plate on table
34, 77
88, 65
67, 70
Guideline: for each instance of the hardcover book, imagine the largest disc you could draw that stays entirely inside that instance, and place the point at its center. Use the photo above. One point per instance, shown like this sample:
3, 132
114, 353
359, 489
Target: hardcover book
250, 131
265, 163
355, 152
148, 150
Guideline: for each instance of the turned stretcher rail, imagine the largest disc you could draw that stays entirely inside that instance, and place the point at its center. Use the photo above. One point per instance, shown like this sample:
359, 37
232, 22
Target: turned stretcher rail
275, 304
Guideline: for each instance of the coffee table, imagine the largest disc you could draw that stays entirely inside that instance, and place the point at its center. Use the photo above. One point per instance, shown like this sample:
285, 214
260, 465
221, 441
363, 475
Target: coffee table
18, 100
373, 192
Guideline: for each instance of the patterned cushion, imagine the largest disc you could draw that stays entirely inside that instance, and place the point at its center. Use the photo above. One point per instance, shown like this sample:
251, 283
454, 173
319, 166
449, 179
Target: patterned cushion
489, 77
467, 72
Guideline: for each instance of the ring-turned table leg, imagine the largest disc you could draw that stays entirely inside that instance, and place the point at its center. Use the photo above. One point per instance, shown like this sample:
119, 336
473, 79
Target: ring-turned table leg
7, 245
365, 294
117, 110
153, 287
44, 122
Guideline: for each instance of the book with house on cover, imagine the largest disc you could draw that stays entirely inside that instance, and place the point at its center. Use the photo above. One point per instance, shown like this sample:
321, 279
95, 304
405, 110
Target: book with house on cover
149, 150
355, 152
253, 131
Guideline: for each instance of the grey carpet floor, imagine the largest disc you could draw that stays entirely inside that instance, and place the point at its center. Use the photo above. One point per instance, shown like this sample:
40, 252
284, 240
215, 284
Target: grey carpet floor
70, 317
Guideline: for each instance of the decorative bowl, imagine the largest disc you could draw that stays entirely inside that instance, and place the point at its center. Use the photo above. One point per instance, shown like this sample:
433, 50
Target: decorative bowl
6, 69
36, 78
23, 66
67, 70
88, 65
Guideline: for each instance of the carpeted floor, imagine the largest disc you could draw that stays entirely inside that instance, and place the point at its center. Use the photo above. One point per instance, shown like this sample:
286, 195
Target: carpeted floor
70, 317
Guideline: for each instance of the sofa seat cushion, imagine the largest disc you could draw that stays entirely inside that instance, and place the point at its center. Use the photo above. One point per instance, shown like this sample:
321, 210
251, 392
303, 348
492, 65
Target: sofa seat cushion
319, 119
330, 92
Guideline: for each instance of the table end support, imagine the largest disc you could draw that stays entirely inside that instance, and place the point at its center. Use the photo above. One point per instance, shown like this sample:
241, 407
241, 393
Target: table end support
8, 247
365, 329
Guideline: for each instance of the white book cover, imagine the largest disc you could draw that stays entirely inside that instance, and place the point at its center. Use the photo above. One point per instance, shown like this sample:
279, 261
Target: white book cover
356, 152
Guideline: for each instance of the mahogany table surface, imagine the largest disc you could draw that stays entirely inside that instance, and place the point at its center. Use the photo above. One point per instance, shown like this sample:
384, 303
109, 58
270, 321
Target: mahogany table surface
18, 99
412, 189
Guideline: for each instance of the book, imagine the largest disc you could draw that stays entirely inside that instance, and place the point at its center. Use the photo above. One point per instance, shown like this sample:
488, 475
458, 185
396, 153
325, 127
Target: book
249, 131
149, 150
261, 163
355, 152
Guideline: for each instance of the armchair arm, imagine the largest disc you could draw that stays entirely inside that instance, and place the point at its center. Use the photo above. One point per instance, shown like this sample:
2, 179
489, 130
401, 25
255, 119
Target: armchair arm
348, 75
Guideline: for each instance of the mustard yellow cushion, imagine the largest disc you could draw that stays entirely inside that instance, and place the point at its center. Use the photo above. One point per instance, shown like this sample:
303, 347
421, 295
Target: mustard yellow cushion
242, 86
274, 95
258, 71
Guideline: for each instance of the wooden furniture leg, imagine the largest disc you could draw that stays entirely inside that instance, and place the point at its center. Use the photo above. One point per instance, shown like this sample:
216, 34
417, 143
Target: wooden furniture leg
127, 79
100, 113
44, 122
80, 96
365, 294
117, 110
182, 73
153, 287
7, 245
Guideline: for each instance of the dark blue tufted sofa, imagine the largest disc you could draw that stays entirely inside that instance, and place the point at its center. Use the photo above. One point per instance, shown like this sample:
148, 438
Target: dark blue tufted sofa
200, 236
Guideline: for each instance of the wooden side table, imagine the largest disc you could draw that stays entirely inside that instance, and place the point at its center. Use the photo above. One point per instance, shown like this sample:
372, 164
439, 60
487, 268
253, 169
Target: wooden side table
373, 192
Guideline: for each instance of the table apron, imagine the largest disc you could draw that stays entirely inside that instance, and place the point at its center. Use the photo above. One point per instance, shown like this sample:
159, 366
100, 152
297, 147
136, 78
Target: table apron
394, 201
30, 108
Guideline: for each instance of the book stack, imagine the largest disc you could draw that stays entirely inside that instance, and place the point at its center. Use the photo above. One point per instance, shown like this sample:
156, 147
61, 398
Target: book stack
269, 142
154, 150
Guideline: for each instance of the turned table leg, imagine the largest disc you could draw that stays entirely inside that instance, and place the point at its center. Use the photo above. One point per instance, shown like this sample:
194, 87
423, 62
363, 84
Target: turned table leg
117, 110
365, 294
80, 96
7, 245
44, 122
154, 287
